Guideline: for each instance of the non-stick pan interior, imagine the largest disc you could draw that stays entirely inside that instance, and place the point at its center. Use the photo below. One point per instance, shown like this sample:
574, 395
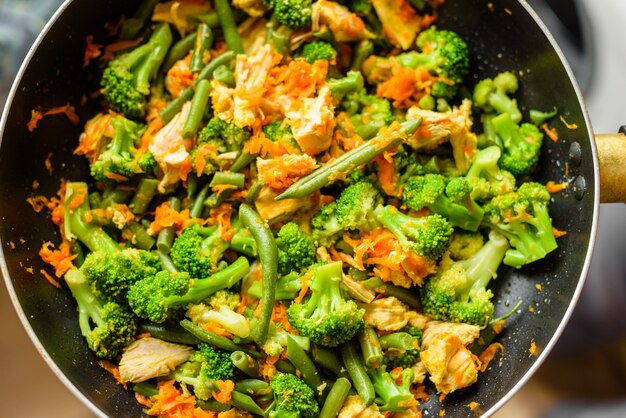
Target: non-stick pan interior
502, 36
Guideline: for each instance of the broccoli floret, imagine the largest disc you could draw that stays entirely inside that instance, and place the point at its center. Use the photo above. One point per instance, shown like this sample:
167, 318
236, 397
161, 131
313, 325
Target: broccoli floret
126, 80
159, 297
428, 236
203, 368
465, 244
231, 321
368, 113
492, 95
146, 162
112, 274
287, 287
351, 83
295, 14
224, 298
486, 178
523, 218
296, 250
225, 136
279, 131
293, 397
118, 161
352, 210
389, 395
198, 250
327, 318
107, 327
521, 144
452, 200
76, 204
458, 293
277, 339
318, 50
402, 349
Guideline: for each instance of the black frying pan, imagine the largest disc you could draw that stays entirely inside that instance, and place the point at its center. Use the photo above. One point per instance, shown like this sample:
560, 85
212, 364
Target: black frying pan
507, 36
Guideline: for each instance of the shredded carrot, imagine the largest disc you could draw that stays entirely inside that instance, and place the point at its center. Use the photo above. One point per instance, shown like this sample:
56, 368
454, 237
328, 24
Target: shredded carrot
217, 329
111, 49
36, 115
37, 202
78, 199
557, 233
222, 215
112, 29
48, 277
497, 326
442, 397
442, 412
387, 173
553, 187
571, 126
473, 405
165, 216
489, 354
550, 132
111, 368
283, 171
304, 280
267, 367
225, 390
533, 350
60, 259
204, 151
173, 403
92, 50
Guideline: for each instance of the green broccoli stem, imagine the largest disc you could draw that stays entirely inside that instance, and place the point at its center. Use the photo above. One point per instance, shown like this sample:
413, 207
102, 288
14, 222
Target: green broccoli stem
370, 347
287, 287
203, 42
485, 164
203, 288
229, 26
217, 340
358, 374
402, 294
133, 25
489, 334
507, 130
399, 341
146, 190
538, 117
351, 83
89, 307
328, 359
158, 44
326, 292
393, 397
300, 359
335, 399
245, 363
198, 107
179, 50
268, 254
169, 332
365, 153
504, 104
467, 216
92, 236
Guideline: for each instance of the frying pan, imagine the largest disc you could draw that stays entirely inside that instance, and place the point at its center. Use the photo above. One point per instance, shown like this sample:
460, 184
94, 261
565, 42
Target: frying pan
503, 35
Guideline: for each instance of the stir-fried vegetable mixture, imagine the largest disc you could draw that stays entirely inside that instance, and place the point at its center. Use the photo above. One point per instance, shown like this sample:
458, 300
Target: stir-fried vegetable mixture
297, 208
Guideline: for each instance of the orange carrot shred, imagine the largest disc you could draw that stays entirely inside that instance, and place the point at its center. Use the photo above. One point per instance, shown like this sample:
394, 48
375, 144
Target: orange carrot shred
571, 126
225, 390
111, 368
557, 233
550, 132
60, 259
553, 187
49, 278
92, 50
489, 354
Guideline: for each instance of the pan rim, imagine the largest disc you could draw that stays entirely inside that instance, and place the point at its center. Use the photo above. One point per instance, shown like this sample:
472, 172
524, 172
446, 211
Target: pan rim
541, 358
594, 222
3, 266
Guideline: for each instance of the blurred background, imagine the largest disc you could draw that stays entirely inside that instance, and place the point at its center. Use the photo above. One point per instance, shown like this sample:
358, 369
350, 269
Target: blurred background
585, 375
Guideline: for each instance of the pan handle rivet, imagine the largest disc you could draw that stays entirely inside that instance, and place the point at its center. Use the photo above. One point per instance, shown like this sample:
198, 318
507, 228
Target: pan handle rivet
579, 187
575, 154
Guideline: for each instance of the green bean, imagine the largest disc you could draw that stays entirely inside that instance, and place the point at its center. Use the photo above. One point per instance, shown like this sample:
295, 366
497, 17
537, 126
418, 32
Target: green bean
278, 37
169, 332
245, 363
140, 238
302, 362
146, 190
203, 42
358, 374
179, 50
328, 359
399, 341
246, 403
361, 52
268, 409
229, 26
490, 134
253, 192
402, 294
77, 250
213, 405
370, 347
242, 161
335, 399
197, 206
113, 196
252, 387
166, 236
285, 366
146, 389
224, 75
133, 25
231, 179
173, 108
369, 130
210, 19
198, 106
166, 262
268, 254
349, 161
216, 340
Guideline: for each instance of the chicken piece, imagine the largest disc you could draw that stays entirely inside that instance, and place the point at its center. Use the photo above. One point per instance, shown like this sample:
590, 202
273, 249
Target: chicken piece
283, 171
454, 126
353, 407
417, 320
450, 364
170, 150
179, 77
254, 8
401, 23
434, 330
150, 357
313, 121
222, 100
253, 32
419, 372
180, 14
275, 210
345, 25
96, 137
386, 314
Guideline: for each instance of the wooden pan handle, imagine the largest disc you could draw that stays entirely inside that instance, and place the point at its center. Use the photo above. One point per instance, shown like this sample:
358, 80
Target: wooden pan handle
612, 156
